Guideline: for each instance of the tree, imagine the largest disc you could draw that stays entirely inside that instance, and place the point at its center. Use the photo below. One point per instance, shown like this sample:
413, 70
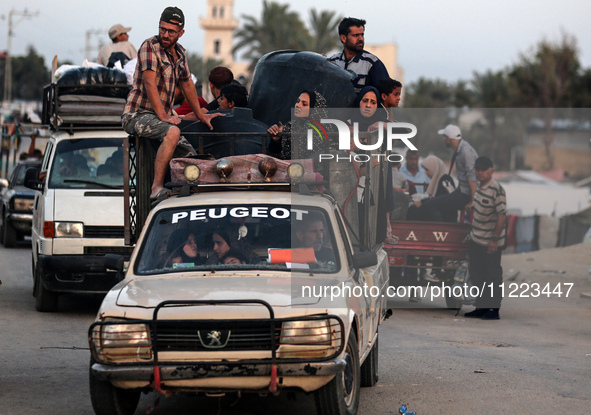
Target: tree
544, 78
278, 28
201, 68
29, 76
324, 35
427, 93
491, 94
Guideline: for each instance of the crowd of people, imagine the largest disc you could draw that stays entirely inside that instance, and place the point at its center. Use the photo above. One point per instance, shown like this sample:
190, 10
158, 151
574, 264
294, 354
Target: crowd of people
149, 113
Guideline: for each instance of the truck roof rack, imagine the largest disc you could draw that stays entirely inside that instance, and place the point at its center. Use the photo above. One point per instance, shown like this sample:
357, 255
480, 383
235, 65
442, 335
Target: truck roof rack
80, 108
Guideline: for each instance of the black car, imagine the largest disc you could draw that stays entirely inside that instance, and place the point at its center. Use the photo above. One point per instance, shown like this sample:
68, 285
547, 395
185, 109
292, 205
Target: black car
17, 205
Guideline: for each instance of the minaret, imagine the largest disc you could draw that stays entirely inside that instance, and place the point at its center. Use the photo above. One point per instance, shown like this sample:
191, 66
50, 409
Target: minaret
219, 26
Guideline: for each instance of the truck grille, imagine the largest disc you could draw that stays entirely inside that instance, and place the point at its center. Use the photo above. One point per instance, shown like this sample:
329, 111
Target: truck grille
104, 250
103, 232
193, 336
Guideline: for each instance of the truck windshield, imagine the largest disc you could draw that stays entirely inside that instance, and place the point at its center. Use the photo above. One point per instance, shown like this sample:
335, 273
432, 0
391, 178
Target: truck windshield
239, 237
88, 164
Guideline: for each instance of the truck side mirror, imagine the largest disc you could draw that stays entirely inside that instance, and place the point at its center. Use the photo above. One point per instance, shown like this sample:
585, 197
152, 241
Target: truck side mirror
365, 259
32, 179
115, 263
3, 184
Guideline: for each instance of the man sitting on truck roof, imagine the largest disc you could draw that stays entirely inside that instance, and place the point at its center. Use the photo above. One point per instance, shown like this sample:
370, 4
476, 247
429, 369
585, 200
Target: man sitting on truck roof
148, 111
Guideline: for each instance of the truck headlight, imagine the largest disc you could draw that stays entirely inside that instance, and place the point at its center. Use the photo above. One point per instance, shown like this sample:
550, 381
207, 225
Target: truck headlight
69, 230
310, 339
306, 332
118, 342
23, 205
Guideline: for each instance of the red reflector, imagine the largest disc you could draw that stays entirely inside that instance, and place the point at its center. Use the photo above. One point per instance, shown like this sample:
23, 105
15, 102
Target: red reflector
396, 260
48, 230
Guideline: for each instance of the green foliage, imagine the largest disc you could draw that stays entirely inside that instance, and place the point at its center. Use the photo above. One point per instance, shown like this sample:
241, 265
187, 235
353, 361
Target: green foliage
201, 68
543, 77
29, 76
282, 29
324, 31
548, 76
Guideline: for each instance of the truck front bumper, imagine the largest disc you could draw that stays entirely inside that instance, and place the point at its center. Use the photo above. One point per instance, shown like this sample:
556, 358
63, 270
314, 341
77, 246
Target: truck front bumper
221, 377
75, 273
21, 222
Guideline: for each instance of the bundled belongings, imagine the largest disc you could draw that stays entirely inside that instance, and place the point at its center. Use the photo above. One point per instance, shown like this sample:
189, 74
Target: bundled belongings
101, 81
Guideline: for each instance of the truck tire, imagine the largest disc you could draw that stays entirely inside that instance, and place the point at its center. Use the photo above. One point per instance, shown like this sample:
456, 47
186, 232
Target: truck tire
109, 400
369, 368
9, 234
341, 395
45, 301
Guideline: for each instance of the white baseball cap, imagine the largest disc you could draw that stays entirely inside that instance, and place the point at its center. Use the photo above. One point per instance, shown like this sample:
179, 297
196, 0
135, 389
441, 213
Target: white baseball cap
117, 29
451, 131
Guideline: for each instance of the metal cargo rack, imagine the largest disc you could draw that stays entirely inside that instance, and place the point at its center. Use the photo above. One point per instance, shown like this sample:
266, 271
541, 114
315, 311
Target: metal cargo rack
70, 108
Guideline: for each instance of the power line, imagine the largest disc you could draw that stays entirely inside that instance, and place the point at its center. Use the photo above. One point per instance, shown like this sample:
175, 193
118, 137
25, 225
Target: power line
8, 62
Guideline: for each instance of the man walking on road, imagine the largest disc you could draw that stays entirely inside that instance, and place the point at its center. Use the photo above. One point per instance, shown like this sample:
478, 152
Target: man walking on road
487, 240
161, 68
369, 68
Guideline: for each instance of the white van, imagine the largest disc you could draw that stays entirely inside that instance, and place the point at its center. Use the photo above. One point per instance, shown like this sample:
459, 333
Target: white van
78, 215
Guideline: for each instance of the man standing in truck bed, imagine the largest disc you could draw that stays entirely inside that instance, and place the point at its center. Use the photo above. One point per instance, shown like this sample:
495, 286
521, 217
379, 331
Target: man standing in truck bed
161, 68
369, 68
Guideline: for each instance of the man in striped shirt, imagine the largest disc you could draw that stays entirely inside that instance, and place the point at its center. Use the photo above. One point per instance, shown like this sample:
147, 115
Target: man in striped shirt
487, 240
369, 68
162, 68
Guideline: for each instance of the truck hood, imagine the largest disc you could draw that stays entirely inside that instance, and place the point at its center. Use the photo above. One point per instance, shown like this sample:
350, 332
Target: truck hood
89, 206
277, 291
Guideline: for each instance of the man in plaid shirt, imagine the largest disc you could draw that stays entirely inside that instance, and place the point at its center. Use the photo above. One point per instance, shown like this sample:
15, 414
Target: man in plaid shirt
162, 67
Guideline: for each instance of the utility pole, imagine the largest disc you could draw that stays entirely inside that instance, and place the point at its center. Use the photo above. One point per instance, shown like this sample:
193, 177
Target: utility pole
88, 48
8, 63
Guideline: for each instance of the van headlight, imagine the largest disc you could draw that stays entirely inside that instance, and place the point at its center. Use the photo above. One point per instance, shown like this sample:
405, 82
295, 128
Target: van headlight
69, 230
122, 342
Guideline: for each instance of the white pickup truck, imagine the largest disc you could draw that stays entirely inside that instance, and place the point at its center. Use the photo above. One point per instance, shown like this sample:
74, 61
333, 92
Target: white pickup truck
286, 304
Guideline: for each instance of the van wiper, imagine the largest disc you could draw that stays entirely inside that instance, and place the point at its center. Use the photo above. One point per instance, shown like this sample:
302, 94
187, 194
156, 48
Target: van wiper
107, 186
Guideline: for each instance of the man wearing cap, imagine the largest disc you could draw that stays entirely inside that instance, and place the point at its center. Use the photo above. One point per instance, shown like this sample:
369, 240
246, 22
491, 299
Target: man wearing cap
464, 158
120, 38
162, 67
487, 240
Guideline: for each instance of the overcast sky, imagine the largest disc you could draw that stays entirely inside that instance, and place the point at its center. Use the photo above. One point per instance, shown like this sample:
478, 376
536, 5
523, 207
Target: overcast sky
436, 39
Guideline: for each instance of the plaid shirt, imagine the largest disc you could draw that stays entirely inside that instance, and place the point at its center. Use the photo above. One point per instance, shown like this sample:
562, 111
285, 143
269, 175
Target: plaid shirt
152, 56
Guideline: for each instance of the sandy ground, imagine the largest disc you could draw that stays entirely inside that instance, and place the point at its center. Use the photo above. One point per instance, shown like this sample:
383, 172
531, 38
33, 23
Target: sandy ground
569, 264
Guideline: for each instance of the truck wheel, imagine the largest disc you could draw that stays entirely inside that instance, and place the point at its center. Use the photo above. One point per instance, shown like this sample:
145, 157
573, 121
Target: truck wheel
341, 395
45, 301
109, 400
8, 234
369, 368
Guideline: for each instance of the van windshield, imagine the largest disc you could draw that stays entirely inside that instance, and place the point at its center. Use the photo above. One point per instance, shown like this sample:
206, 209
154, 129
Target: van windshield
88, 164
240, 237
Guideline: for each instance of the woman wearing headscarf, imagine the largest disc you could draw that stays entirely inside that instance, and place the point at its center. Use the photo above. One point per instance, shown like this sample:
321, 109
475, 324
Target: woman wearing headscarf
290, 139
182, 248
439, 185
368, 118
224, 239
370, 112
